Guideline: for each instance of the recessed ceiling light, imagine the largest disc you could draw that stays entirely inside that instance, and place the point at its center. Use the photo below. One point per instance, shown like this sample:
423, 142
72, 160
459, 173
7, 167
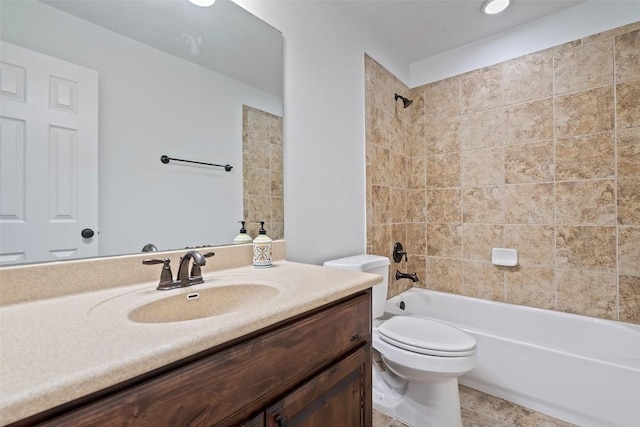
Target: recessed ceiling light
203, 3
491, 7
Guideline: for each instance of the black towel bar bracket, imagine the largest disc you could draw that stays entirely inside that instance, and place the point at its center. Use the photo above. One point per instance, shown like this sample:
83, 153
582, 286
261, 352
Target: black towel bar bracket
166, 159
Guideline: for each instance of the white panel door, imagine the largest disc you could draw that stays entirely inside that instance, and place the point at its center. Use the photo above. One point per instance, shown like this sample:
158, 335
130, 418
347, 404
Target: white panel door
48, 157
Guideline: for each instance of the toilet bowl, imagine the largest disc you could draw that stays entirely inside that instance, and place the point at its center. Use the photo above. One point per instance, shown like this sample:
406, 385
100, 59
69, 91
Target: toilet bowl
416, 361
429, 356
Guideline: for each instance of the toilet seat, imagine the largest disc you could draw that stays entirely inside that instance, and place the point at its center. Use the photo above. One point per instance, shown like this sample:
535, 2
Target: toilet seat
426, 337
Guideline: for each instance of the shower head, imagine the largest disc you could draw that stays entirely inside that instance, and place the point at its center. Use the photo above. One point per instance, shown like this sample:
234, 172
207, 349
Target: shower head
405, 102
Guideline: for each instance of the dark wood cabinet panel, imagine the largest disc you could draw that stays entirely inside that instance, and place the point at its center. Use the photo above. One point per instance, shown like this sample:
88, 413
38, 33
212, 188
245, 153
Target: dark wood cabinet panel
329, 348
336, 397
257, 421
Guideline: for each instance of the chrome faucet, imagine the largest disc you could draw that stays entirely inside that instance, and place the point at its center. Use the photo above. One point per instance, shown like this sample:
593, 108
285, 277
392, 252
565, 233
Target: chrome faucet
184, 278
413, 277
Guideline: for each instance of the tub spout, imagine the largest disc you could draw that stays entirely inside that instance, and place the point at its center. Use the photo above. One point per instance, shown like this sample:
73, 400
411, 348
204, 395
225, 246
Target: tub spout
413, 277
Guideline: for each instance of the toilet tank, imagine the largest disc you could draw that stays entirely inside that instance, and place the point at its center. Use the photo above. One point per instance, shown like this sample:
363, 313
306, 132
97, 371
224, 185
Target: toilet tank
374, 264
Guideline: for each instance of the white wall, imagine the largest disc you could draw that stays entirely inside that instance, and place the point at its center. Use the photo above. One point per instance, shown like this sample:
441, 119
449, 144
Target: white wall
151, 103
324, 155
570, 24
324, 106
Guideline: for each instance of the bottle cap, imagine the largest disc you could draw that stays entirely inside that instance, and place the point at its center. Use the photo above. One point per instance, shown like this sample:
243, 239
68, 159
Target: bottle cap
262, 230
242, 229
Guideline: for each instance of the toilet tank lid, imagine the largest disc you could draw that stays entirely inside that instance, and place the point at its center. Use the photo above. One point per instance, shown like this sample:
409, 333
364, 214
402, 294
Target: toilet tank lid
363, 262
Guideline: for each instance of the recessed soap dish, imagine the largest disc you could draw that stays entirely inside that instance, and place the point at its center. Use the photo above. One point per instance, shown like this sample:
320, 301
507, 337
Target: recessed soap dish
504, 257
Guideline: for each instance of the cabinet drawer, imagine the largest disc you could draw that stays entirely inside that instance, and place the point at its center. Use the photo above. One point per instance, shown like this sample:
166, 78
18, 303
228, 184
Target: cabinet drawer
229, 386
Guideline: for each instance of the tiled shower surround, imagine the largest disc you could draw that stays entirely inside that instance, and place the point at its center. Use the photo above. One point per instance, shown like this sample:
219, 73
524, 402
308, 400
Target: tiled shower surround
540, 153
263, 197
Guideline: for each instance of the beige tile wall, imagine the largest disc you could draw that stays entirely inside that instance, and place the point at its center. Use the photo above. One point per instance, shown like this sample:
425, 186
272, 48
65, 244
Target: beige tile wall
540, 153
395, 168
262, 172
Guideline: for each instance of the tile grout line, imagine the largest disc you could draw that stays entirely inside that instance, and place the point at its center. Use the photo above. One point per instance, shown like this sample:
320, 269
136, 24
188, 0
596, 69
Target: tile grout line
555, 196
461, 189
503, 187
615, 177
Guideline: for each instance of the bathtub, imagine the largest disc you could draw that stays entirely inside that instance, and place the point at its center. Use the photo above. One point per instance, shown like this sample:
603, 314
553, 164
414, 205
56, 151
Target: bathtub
579, 369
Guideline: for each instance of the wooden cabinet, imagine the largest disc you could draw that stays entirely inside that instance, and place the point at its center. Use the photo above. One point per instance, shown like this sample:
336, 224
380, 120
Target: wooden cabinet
335, 397
313, 370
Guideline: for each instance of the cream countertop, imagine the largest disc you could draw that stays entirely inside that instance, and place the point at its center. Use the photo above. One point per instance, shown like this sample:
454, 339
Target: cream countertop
58, 349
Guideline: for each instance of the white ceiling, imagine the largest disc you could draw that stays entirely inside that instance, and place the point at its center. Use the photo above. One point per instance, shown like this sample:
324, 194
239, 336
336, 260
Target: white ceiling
416, 29
424, 28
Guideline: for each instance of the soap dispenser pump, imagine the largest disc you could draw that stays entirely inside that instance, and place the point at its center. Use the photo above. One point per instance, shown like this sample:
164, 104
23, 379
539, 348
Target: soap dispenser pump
243, 237
262, 245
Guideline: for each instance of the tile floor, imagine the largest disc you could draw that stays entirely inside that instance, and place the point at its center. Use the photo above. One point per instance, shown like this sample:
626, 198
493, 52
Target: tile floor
482, 410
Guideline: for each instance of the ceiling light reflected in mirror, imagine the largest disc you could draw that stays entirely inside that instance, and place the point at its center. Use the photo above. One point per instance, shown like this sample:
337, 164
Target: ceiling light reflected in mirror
493, 7
202, 3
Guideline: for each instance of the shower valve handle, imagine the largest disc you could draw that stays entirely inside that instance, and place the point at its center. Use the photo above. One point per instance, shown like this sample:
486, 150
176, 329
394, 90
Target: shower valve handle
398, 252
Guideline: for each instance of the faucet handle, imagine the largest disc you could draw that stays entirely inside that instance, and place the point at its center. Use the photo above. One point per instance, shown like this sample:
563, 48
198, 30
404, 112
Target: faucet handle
166, 277
195, 269
399, 252
150, 261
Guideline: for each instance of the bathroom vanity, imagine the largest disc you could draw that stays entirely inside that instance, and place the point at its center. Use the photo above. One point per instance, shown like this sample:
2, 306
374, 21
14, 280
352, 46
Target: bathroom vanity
315, 368
302, 355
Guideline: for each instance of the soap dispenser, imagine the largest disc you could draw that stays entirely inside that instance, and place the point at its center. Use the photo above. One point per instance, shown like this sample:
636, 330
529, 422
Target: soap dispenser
243, 237
262, 245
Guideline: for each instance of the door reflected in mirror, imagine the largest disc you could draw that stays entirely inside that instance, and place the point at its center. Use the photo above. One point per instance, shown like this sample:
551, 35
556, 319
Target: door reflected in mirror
170, 78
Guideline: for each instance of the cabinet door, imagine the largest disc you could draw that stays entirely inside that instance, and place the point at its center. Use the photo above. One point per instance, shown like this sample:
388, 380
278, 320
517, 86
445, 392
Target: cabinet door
257, 421
338, 396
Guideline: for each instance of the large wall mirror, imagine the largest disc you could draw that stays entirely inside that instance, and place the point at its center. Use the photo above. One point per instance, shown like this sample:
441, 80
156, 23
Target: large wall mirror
95, 92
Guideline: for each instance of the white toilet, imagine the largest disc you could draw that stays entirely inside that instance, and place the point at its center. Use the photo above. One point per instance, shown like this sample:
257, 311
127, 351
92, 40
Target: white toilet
416, 361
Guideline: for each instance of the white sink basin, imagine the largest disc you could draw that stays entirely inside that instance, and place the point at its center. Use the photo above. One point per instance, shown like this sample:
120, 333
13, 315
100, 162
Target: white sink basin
203, 303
